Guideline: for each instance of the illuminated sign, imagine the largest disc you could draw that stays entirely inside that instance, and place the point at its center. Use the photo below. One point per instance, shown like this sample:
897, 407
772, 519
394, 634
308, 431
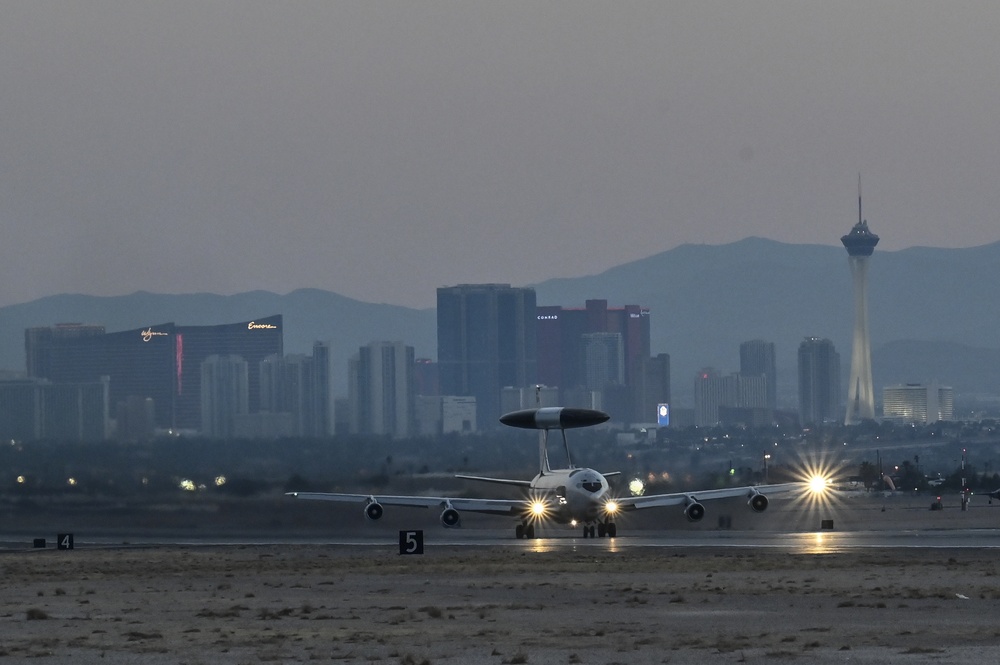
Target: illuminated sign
663, 415
548, 317
253, 325
149, 334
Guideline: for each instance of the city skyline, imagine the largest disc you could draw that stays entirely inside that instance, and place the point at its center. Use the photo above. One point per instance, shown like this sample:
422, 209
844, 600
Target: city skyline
380, 151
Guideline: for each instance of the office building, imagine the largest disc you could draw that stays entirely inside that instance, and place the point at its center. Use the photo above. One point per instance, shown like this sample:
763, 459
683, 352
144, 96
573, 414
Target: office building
486, 341
819, 381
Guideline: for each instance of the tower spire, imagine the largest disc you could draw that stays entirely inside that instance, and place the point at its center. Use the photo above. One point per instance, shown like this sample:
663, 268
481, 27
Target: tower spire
860, 220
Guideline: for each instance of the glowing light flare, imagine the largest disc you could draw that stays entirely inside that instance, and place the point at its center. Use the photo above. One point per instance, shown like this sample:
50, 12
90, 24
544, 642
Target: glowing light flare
636, 487
21, 480
71, 482
220, 481
538, 509
187, 485
611, 507
818, 484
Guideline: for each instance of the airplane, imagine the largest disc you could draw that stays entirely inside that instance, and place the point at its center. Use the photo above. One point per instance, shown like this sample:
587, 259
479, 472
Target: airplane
573, 495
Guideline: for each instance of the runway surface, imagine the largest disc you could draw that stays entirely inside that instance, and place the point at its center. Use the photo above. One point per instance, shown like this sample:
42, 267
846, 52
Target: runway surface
817, 542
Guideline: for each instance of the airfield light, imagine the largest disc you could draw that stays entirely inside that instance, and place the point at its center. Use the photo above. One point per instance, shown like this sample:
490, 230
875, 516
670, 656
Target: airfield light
220, 481
187, 485
71, 482
20, 480
636, 487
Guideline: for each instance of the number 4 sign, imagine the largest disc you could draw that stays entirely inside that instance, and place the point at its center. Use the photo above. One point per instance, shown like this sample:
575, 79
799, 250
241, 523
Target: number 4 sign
411, 542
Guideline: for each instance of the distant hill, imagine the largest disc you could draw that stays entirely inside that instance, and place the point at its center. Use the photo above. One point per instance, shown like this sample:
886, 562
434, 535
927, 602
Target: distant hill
934, 313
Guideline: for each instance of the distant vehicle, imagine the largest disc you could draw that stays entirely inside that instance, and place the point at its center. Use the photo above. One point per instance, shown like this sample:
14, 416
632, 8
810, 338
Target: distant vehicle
573, 495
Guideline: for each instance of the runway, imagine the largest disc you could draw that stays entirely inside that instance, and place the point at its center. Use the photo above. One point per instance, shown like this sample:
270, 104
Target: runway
815, 542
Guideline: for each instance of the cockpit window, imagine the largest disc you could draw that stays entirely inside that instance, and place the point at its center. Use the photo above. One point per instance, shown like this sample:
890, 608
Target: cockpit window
591, 485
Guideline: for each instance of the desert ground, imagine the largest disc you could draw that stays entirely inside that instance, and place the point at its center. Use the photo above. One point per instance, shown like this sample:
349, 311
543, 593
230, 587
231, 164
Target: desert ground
594, 602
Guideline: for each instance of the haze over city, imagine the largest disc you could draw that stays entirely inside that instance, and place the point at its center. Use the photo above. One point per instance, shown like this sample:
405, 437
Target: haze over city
380, 150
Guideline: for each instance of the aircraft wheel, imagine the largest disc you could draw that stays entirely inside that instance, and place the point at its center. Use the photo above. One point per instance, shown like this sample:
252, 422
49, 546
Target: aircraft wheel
529, 532
519, 531
612, 530
601, 530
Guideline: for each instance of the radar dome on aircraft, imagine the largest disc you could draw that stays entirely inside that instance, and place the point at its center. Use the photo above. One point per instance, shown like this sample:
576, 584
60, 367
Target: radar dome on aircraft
554, 417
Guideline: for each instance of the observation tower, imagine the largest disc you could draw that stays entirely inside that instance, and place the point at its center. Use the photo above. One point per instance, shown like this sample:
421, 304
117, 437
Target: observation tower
860, 244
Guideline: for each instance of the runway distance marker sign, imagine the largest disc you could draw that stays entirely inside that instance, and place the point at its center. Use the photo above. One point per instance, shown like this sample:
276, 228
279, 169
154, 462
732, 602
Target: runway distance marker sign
411, 542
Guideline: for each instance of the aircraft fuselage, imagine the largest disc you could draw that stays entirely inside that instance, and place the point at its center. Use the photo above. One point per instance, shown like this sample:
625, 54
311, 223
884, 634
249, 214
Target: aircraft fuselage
572, 494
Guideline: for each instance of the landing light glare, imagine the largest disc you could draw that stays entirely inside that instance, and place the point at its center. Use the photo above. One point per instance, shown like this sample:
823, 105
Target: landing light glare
611, 507
538, 509
818, 484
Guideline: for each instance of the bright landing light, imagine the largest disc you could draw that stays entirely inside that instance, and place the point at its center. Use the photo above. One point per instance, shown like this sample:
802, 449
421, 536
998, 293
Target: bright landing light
818, 484
538, 509
611, 507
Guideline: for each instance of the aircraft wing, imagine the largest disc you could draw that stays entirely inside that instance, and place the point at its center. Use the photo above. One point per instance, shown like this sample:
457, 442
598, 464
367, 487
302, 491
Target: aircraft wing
498, 481
486, 506
681, 498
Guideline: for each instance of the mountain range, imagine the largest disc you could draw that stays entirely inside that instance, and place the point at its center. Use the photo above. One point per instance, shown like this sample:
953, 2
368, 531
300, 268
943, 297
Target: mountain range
933, 312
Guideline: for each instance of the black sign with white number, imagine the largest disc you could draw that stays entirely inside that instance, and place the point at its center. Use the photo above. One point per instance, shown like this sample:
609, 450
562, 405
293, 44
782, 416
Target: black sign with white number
411, 542
64, 541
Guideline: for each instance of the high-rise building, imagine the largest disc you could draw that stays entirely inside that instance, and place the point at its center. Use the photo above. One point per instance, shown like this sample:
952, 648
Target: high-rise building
486, 341
860, 244
654, 389
381, 390
918, 403
723, 399
757, 359
225, 389
299, 385
819, 381
711, 390
563, 359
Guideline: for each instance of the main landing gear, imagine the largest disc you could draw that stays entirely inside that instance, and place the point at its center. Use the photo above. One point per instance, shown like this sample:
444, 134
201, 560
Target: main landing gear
603, 529
525, 531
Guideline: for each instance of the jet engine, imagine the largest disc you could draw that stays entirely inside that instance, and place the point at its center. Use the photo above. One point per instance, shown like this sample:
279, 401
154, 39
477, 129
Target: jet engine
373, 510
450, 518
758, 503
694, 512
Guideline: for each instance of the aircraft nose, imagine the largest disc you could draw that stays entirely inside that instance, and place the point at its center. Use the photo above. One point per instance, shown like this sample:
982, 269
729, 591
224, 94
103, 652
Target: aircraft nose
591, 486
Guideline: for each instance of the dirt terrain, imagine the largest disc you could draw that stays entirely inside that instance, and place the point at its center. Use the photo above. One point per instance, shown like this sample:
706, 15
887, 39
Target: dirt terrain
591, 602
595, 604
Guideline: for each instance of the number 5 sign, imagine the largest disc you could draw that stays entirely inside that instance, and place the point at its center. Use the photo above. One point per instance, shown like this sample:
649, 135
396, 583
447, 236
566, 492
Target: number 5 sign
411, 542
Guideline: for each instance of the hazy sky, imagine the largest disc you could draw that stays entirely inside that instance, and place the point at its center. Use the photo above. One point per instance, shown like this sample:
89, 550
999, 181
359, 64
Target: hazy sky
383, 149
